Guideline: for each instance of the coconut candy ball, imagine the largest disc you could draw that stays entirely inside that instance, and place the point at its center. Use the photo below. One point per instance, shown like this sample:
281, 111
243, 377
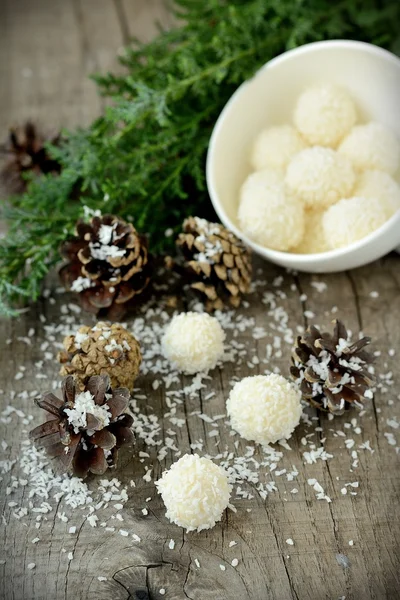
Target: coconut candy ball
313, 240
324, 114
380, 185
319, 177
267, 214
264, 408
372, 146
195, 492
193, 342
275, 146
352, 219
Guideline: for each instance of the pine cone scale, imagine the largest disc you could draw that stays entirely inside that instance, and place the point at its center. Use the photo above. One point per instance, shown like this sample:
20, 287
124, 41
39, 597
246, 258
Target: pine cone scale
104, 439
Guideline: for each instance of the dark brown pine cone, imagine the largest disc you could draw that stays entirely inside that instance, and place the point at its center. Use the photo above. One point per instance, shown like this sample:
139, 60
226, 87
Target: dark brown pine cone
331, 371
27, 153
85, 429
108, 265
216, 262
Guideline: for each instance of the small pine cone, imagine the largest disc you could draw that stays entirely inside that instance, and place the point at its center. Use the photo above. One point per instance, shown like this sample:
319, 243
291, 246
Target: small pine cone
216, 262
108, 265
27, 153
100, 350
85, 430
331, 371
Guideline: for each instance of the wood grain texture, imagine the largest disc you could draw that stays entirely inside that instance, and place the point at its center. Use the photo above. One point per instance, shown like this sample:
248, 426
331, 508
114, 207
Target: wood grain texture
60, 42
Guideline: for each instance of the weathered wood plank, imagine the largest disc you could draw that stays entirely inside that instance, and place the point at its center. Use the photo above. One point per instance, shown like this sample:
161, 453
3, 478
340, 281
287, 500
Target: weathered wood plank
141, 18
268, 567
48, 48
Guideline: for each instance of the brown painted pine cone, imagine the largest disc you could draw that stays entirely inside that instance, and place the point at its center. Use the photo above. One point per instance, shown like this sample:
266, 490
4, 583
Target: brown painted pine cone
331, 371
217, 263
27, 154
108, 265
101, 350
84, 430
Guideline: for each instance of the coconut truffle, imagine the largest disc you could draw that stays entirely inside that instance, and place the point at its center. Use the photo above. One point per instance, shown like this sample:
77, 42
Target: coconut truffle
313, 240
378, 184
319, 177
324, 114
267, 214
372, 146
351, 219
264, 408
275, 146
195, 492
193, 342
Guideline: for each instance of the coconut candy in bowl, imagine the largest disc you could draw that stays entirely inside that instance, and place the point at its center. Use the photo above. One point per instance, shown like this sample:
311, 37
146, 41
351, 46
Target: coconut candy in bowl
369, 74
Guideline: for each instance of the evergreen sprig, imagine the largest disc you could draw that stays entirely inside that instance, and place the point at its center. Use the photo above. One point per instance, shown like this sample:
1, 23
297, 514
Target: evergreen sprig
144, 158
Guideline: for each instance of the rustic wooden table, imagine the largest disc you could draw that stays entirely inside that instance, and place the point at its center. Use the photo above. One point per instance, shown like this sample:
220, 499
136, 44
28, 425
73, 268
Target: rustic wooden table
347, 548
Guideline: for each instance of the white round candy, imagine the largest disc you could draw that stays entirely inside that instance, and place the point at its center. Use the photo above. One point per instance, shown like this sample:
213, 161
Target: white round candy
264, 408
267, 214
313, 240
195, 492
319, 177
193, 342
378, 184
352, 219
275, 146
372, 146
324, 114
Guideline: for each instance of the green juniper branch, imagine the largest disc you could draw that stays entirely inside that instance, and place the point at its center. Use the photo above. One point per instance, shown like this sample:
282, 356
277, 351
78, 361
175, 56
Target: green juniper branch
144, 158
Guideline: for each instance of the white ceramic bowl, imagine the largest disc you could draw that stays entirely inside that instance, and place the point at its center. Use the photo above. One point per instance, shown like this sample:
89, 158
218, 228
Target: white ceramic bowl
372, 76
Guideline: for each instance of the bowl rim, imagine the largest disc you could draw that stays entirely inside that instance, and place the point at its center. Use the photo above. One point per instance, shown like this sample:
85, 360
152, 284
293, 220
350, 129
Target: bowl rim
277, 255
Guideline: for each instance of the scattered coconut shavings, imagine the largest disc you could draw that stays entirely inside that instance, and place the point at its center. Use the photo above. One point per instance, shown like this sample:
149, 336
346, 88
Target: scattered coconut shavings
290, 542
252, 471
31, 566
320, 286
391, 440
312, 456
197, 563
234, 562
319, 489
343, 561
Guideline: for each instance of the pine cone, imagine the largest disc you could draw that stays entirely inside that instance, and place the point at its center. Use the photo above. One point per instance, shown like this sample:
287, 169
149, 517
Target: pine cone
332, 372
108, 265
217, 263
84, 430
100, 350
27, 153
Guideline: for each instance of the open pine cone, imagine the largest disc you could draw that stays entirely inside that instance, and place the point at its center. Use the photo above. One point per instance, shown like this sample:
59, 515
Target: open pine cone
108, 265
27, 153
332, 372
216, 262
100, 350
84, 430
